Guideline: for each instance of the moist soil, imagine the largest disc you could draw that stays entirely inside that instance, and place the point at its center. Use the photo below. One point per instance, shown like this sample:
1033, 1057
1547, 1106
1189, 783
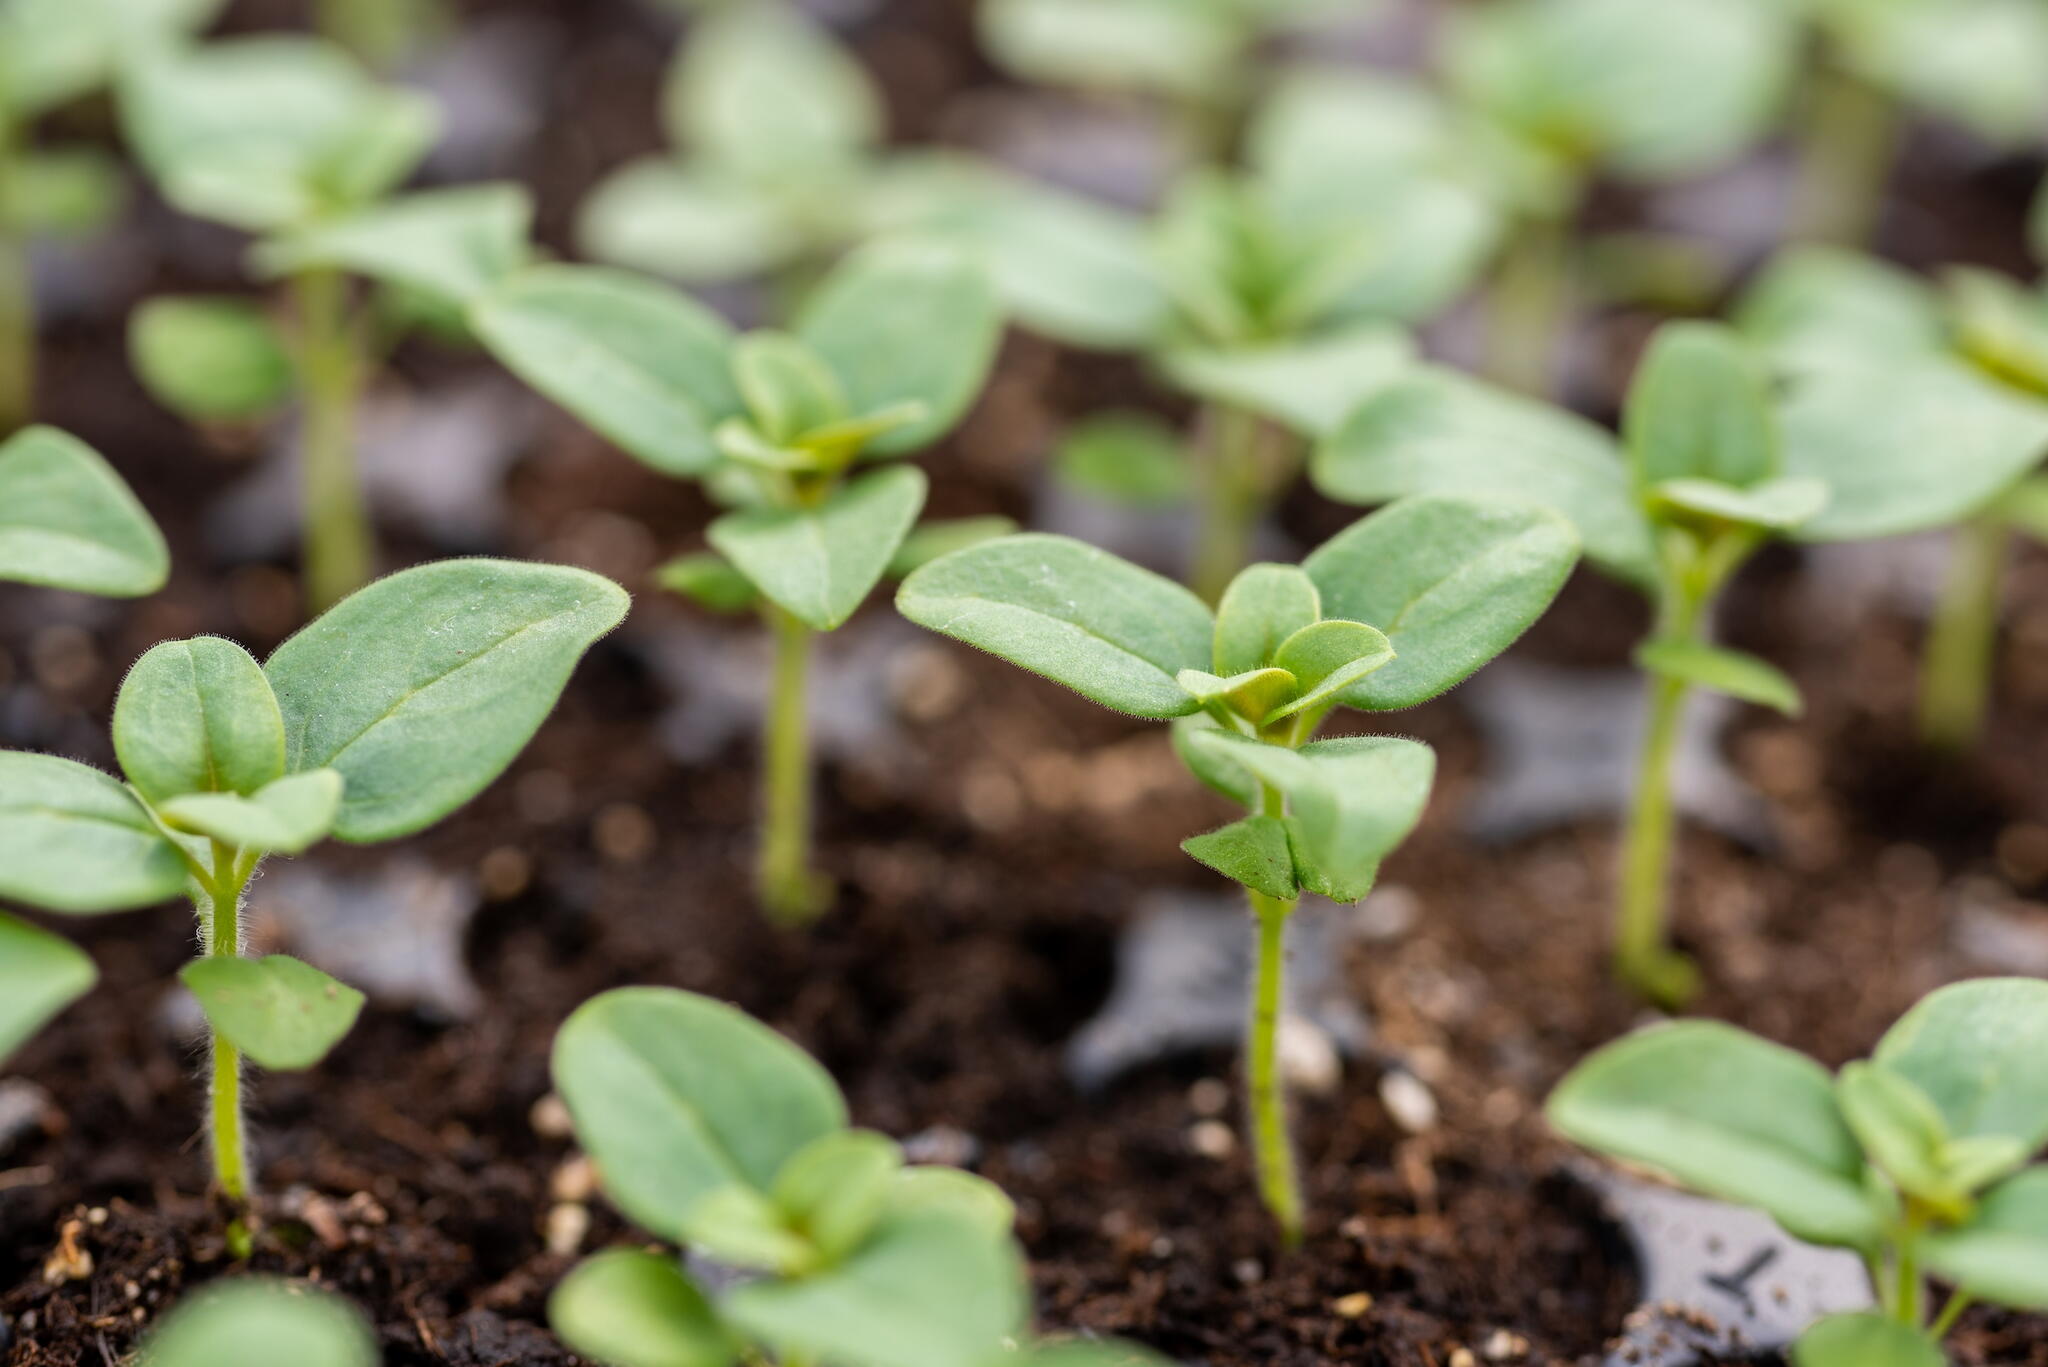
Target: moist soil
988, 850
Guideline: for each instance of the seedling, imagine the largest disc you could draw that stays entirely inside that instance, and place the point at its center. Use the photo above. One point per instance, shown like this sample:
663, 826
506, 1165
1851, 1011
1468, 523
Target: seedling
53, 52
1917, 1158
1562, 91
1391, 612
261, 1322
884, 358
1699, 484
383, 716
289, 138
67, 521
1885, 367
715, 1133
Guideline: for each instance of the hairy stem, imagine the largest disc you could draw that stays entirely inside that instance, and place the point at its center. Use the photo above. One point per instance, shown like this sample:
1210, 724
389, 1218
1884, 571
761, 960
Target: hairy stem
339, 546
1956, 667
224, 1118
1232, 499
1529, 307
1272, 1144
17, 306
1848, 141
788, 889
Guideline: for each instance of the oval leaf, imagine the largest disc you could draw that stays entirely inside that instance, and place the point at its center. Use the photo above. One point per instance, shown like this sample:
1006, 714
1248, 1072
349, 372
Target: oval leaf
1327, 658
1308, 386
1264, 605
210, 359
1700, 408
1865, 1341
284, 817
641, 1310
453, 244
421, 688
767, 91
820, 564
198, 716
688, 223
68, 522
1733, 672
74, 840
284, 1014
40, 975
1079, 616
1974, 1048
258, 1322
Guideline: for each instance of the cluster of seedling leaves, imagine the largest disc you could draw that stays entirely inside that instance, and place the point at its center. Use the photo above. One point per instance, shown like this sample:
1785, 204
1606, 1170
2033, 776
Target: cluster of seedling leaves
375, 721
67, 521
1916, 1158
1979, 63
715, 1134
261, 1322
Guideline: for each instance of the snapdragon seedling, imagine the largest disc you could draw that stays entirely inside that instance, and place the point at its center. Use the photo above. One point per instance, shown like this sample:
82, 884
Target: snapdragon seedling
380, 718
884, 358
715, 1133
261, 1322
1401, 606
289, 138
1699, 482
1917, 1159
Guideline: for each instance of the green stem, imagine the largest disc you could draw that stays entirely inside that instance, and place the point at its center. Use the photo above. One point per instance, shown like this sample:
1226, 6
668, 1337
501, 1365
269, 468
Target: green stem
1529, 307
1272, 1145
1909, 1303
1232, 499
787, 887
1956, 669
1848, 142
230, 1146
17, 305
1959, 1301
339, 546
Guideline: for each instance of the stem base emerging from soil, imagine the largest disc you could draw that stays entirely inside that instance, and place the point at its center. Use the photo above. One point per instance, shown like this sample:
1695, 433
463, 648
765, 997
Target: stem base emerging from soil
789, 890
1955, 675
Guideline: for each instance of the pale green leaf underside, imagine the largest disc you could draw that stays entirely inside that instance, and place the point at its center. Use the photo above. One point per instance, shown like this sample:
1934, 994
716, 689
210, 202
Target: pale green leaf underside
284, 817
1733, 672
283, 1013
260, 1322
40, 975
67, 521
820, 564
74, 840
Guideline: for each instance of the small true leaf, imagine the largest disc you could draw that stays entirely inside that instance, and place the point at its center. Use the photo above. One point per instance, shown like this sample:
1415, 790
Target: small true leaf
1079, 616
1779, 505
638, 1309
837, 1187
1901, 1131
258, 1322
788, 387
1326, 659
284, 817
210, 358
2001, 1254
1867, 1340
282, 1013
421, 688
936, 1187
40, 975
821, 563
1970, 1047
676, 1096
1253, 852
1700, 408
68, 522
739, 1226
74, 840
1733, 672
1263, 606
1253, 694
198, 716
710, 580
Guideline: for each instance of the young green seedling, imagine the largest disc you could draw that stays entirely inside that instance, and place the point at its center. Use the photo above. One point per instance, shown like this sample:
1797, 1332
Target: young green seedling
289, 138
1562, 91
67, 521
1917, 1158
1886, 369
715, 1133
261, 1322
53, 52
883, 359
1386, 615
387, 713
1698, 484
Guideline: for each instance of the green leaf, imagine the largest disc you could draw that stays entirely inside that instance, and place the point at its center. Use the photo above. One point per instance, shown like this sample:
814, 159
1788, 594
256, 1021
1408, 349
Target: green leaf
903, 322
1866, 1340
836, 1188
1130, 458
1159, 47
1824, 308
709, 580
1439, 433
74, 840
676, 1095
68, 522
454, 244
1729, 1115
821, 563
2001, 326
210, 358
688, 223
1867, 434
787, 386
1733, 672
2025, 507
1253, 852
1451, 581
61, 192
284, 1014
935, 1187
930, 1288
1978, 64
260, 1322
647, 367
930, 540
1253, 694
1213, 765
635, 1309
766, 91
40, 975
1309, 386
1326, 659
1079, 616
283, 818
2001, 1255
1263, 606
1700, 408
1972, 1047
1902, 1132
198, 716
54, 51
1778, 505
1350, 802
421, 688
739, 1226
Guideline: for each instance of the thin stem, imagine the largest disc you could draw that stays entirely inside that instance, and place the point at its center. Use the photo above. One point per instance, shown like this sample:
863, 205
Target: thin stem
1909, 1304
17, 305
223, 935
1956, 669
1232, 499
787, 887
1272, 1144
339, 546
1959, 1300
1848, 142
1529, 306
